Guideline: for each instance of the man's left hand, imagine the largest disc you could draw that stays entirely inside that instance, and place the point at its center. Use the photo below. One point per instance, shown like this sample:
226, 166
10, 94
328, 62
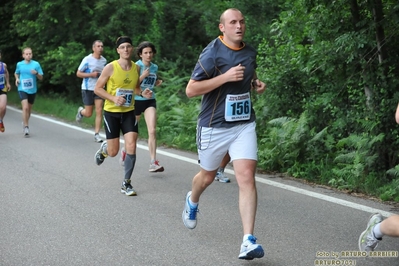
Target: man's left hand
259, 86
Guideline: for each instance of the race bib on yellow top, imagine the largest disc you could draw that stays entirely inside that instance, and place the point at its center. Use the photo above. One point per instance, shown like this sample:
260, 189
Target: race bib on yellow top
127, 94
27, 84
238, 107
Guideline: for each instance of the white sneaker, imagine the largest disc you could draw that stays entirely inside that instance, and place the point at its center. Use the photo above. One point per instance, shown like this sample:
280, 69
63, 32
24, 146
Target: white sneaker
79, 117
367, 240
100, 155
250, 250
97, 138
156, 167
26, 131
127, 188
189, 214
221, 177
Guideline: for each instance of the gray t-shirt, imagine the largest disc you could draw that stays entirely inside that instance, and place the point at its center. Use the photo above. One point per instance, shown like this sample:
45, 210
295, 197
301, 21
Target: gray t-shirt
217, 108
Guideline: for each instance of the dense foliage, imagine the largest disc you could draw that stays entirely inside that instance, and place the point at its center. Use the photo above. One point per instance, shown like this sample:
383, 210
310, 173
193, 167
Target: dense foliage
331, 67
336, 64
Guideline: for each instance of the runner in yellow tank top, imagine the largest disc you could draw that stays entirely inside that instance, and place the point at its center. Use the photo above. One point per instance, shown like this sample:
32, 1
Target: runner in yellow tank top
122, 79
122, 82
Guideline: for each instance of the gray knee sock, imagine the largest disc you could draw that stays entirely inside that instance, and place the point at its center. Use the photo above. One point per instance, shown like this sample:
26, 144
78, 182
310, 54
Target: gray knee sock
130, 161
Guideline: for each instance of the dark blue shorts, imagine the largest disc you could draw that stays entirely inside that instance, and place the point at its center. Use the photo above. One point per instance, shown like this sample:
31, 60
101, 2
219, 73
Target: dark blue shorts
88, 97
25, 96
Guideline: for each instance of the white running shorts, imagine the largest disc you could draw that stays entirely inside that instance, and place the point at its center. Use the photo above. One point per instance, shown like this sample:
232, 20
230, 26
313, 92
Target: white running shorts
213, 143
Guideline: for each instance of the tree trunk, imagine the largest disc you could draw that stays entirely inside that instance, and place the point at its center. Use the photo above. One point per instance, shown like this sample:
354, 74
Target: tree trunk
355, 20
379, 30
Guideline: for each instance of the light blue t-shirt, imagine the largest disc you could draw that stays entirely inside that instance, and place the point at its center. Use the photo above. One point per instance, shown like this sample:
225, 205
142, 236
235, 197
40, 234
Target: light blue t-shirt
148, 82
27, 80
90, 64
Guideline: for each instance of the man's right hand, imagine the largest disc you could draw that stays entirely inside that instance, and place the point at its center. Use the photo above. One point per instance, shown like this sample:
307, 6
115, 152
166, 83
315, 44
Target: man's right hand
235, 73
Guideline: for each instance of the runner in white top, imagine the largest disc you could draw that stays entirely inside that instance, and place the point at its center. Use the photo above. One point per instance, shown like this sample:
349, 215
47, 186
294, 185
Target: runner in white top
89, 70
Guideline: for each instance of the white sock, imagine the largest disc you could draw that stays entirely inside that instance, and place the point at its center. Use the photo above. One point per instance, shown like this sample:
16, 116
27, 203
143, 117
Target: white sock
246, 237
193, 204
105, 149
377, 231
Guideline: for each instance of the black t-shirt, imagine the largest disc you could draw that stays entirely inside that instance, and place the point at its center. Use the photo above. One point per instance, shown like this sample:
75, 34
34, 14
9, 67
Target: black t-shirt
216, 59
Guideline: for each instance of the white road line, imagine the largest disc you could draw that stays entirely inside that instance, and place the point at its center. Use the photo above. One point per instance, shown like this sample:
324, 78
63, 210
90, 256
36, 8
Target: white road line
324, 197
258, 179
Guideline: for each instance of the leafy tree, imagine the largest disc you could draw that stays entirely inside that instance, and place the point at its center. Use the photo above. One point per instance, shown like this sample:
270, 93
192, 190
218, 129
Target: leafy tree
330, 60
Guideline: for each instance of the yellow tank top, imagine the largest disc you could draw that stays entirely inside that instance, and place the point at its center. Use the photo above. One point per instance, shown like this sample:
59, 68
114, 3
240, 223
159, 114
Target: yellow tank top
122, 82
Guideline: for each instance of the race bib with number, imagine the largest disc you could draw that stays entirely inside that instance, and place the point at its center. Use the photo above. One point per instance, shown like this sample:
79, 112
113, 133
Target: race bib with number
1, 79
149, 82
238, 107
27, 84
127, 94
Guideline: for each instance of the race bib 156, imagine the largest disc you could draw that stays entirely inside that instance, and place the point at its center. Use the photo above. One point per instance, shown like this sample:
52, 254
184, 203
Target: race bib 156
238, 107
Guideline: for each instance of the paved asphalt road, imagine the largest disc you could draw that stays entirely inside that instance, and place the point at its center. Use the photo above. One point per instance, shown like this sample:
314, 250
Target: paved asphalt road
59, 208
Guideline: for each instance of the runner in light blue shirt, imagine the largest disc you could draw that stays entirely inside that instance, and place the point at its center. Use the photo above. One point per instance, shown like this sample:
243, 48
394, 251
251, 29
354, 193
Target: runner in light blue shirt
148, 80
26, 74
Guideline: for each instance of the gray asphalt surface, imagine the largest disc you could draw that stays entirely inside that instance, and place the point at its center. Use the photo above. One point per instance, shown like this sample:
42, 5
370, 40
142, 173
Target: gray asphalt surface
59, 208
